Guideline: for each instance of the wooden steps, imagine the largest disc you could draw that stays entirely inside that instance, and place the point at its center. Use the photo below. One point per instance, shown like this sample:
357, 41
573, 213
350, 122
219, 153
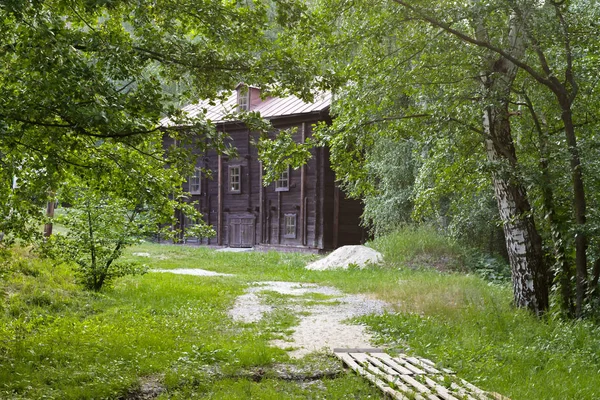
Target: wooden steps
407, 378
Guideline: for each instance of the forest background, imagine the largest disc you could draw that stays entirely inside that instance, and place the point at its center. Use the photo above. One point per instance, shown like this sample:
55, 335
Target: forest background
479, 118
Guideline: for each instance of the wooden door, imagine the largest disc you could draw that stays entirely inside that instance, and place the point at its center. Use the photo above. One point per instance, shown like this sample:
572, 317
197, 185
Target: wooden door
241, 231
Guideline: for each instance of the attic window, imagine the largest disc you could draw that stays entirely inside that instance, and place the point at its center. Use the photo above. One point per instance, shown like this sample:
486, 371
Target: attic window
243, 99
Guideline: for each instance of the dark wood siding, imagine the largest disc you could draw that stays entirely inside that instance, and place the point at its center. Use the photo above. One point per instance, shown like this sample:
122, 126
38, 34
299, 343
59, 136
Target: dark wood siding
256, 215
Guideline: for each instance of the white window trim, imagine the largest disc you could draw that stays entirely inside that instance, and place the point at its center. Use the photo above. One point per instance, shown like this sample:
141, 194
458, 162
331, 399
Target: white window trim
239, 180
243, 99
294, 219
195, 180
279, 182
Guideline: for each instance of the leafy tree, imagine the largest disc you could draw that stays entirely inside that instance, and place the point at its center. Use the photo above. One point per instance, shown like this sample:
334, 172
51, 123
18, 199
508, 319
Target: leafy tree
104, 218
89, 113
452, 75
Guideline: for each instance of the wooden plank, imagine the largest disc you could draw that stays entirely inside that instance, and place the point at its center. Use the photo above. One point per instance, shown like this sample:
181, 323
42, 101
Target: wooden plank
365, 361
261, 205
462, 392
432, 364
357, 350
399, 374
403, 363
349, 361
419, 386
439, 389
336, 216
478, 392
419, 363
389, 361
303, 192
320, 193
220, 201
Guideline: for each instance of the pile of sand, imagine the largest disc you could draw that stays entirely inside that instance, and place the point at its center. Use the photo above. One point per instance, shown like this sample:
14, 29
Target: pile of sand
360, 256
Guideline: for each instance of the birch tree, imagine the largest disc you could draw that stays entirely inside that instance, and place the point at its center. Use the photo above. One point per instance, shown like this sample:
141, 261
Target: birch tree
409, 68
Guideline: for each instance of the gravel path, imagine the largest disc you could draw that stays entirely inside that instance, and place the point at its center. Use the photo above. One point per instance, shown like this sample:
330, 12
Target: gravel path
323, 320
324, 328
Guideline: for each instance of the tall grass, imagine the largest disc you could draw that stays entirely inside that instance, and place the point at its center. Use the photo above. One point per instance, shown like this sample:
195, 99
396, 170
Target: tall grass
57, 341
421, 245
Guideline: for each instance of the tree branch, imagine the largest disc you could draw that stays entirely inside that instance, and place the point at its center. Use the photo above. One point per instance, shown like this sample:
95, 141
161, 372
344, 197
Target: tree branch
570, 78
480, 43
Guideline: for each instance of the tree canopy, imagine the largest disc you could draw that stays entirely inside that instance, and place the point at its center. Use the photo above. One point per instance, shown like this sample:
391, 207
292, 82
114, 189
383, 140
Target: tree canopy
85, 85
495, 95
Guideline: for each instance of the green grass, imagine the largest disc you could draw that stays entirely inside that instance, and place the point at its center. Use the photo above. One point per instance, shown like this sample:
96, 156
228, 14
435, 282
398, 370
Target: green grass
57, 341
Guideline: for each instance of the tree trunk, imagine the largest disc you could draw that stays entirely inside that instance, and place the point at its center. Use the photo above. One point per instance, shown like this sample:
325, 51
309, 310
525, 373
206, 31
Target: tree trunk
562, 263
579, 205
523, 243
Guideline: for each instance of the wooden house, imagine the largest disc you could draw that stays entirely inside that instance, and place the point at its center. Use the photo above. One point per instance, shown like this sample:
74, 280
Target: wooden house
302, 210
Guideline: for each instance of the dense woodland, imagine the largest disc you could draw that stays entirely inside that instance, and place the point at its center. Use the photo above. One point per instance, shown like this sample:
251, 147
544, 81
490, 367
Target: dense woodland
476, 117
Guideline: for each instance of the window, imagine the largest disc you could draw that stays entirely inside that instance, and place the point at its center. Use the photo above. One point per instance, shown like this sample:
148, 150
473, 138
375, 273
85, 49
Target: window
282, 184
243, 99
290, 226
235, 179
195, 181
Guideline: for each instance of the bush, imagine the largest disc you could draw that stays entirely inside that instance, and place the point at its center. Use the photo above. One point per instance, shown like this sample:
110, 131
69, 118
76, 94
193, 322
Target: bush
423, 246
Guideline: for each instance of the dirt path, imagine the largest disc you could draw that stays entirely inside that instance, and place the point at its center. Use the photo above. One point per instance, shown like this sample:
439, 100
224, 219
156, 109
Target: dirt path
323, 313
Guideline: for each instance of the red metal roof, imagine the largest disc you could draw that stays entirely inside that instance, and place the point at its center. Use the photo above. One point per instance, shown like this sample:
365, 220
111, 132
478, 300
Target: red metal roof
270, 108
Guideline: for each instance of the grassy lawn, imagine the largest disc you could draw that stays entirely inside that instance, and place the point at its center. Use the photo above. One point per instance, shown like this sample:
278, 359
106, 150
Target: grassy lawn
57, 341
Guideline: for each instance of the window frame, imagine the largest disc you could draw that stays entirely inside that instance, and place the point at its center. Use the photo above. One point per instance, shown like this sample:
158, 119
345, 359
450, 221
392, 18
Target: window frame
279, 181
197, 176
231, 183
287, 227
243, 99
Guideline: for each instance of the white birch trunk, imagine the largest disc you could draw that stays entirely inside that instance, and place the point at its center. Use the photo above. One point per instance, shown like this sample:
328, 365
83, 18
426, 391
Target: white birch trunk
523, 243
522, 240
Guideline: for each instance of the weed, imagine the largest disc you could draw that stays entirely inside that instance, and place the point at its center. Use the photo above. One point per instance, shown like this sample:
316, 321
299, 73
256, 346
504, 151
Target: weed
57, 341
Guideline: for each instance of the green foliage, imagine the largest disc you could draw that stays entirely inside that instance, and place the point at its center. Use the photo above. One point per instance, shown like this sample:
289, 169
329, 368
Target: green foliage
98, 229
85, 81
393, 166
72, 344
419, 246
427, 247
281, 152
131, 197
175, 329
429, 72
499, 350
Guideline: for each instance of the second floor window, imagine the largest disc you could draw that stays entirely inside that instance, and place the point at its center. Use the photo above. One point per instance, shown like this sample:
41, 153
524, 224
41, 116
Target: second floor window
282, 184
235, 179
195, 181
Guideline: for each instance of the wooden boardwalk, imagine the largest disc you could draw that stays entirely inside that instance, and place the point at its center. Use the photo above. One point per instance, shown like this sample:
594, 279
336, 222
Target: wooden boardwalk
407, 378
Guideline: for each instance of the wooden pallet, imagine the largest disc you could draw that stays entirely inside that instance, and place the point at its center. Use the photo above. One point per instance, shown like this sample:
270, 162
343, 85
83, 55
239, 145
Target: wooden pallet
406, 378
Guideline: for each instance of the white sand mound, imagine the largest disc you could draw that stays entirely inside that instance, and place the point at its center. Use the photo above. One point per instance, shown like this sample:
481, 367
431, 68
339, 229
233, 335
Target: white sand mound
345, 256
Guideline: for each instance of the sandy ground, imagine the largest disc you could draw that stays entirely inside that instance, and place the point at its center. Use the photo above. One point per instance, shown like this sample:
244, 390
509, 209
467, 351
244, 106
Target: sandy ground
323, 322
346, 256
194, 271
324, 328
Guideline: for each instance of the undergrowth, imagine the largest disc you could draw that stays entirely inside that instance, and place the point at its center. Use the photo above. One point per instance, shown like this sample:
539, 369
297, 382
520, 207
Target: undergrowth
57, 341
424, 247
